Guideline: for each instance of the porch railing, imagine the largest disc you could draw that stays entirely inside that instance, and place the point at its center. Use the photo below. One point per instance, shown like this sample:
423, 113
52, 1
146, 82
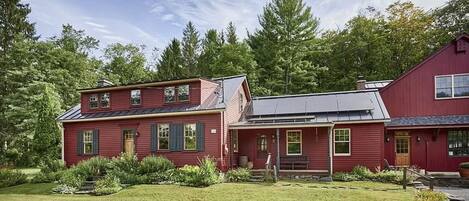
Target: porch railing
268, 169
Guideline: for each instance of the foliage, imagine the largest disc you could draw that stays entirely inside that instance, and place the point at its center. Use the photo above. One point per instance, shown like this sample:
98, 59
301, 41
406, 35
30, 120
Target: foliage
170, 65
342, 176
42, 177
73, 177
425, 195
205, 174
64, 189
52, 166
190, 50
95, 166
464, 165
361, 173
238, 175
11, 177
107, 185
125, 167
155, 164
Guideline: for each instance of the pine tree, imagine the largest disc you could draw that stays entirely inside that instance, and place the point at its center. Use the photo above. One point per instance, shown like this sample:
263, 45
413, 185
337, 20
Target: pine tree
170, 65
190, 50
14, 23
211, 46
231, 36
282, 45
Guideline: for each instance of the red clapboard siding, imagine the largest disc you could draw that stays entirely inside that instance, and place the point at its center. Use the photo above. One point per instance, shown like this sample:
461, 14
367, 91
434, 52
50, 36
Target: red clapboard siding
110, 142
414, 93
151, 97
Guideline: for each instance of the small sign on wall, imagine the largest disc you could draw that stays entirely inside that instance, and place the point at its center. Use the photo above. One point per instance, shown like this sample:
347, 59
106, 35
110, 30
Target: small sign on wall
213, 131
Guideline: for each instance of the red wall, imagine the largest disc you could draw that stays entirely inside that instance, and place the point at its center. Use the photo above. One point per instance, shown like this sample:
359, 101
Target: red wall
431, 153
110, 142
366, 146
152, 97
414, 93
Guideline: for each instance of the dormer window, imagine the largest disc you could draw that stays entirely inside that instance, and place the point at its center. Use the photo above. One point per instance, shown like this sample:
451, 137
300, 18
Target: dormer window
105, 100
183, 93
93, 101
452, 86
169, 94
135, 98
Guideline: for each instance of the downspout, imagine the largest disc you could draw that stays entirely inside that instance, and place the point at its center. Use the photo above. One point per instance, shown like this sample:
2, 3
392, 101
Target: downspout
277, 134
330, 151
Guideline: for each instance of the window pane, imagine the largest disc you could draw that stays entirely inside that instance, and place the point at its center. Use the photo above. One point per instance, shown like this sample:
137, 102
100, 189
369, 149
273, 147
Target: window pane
189, 137
458, 143
88, 142
294, 136
163, 143
342, 141
135, 97
294, 148
235, 140
461, 85
443, 86
163, 136
342, 147
105, 99
183, 93
262, 143
169, 94
88, 148
93, 101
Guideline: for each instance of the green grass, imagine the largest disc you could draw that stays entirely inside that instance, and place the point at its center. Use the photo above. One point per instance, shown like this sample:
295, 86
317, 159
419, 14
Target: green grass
283, 190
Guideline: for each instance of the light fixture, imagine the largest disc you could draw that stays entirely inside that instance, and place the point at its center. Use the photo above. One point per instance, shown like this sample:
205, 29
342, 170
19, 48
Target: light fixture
418, 139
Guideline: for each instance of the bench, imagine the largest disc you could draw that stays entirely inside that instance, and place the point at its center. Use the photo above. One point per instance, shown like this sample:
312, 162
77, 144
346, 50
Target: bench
294, 162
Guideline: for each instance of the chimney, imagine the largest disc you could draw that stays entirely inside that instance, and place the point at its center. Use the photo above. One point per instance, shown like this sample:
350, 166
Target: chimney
104, 83
361, 83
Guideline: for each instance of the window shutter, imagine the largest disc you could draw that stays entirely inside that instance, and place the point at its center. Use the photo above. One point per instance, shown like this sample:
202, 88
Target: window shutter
80, 143
154, 137
95, 142
173, 137
200, 133
180, 137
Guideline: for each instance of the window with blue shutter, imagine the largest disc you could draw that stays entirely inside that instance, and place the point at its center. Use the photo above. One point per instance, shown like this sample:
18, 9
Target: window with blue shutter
80, 143
96, 142
200, 133
176, 137
154, 137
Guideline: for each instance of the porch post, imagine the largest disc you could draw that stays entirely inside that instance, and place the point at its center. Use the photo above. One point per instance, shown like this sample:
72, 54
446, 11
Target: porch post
277, 141
330, 150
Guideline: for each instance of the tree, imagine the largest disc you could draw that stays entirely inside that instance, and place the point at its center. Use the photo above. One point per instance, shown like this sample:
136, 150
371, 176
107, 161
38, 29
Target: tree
281, 46
211, 46
76, 41
125, 64
14, 22
450, 21
231, 36
190, 50
170, 65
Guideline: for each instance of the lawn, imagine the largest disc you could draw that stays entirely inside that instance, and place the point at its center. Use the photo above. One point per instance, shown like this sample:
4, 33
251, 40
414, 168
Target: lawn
283, 190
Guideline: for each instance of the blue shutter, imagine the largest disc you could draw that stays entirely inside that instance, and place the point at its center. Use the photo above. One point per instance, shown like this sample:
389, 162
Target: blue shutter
96, 142
180, 135
200, 134
173, 142
154, 137
80, 143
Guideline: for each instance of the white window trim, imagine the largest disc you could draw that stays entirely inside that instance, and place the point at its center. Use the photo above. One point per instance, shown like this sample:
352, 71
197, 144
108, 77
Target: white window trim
140, 96
349, 142
97, 101
100, 100
301, 142
175, 94
85, 142
158, 134
188, 93
184, 144
452, 86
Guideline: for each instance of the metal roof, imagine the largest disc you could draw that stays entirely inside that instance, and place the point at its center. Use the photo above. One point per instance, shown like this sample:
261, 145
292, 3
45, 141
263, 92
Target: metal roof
429, 121
377, 84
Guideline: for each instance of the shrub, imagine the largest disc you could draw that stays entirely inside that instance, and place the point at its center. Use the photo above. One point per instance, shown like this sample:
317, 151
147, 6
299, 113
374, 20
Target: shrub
127, 178
464, 165
388, 177
50, 166
125, 162
424, 195
95, 166
342, 176
168, 176
362, 172
152, 164
238, 175
64, 189
107, 185
47, 177
205, 174
11, 178
72, 178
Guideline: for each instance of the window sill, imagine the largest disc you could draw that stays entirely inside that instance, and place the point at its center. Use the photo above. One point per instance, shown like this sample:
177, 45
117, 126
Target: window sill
342, 154
295, 154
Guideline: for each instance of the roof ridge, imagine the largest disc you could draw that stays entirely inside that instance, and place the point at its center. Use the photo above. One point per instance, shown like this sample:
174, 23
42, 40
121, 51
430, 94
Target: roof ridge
316, 94
229, 77
376, 81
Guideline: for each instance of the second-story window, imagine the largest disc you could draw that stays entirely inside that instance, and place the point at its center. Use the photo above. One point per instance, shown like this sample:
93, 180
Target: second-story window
183, 92
451, 86
93, 101
135, 98
169, 94
105, 100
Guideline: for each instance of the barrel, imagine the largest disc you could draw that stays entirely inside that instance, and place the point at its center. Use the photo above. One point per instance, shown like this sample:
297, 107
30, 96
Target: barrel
243, 161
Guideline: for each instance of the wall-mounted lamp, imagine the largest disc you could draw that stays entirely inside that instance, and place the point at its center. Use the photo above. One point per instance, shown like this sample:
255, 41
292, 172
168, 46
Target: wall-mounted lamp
387, 139
418, 139
273, 139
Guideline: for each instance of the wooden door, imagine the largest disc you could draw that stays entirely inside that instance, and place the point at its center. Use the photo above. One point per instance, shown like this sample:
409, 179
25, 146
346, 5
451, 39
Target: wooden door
129, 144
402, 150
262, 147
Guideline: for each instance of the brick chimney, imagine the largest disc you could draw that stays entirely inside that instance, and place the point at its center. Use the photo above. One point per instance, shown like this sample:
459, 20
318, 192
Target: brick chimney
361, 83
104, 83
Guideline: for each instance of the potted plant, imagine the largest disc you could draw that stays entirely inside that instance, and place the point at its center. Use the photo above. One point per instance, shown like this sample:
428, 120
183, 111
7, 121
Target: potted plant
464, 169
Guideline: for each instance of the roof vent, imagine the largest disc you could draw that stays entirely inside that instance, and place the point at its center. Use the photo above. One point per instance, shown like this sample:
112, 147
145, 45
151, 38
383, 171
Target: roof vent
104, 83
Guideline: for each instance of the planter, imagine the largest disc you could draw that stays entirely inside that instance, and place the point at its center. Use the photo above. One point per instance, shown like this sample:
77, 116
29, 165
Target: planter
464, 169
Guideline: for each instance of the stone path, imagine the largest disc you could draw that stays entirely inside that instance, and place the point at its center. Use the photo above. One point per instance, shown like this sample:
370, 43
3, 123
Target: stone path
458, 193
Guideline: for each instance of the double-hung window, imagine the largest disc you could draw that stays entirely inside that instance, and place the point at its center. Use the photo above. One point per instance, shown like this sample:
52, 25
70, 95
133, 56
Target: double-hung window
88, 142
93, 101
105, 100
294, 142
451, 86
163, 136
234, 139
342, 142
183, 93
135, 97
190, 137
458, 143
169, 94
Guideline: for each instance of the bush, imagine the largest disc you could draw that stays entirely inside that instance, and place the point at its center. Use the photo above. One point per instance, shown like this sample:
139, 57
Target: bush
125, 162
95, 166
205, 174
64, 189
424, 195
11, 178
169, 176
50, 166
342, 176
127, 178
108, 185
152, 164
73, 178
464, 165
362, 172
238, 175
389, 177
47, 177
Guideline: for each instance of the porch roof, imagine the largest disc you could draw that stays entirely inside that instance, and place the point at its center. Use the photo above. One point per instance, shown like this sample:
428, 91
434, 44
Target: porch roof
428, 121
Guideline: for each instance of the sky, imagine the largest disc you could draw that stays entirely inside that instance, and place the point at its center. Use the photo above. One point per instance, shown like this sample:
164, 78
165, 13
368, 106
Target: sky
154, 23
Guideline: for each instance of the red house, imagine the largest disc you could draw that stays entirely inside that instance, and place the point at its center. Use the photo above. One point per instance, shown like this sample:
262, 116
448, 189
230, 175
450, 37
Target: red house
429, 109
188, 119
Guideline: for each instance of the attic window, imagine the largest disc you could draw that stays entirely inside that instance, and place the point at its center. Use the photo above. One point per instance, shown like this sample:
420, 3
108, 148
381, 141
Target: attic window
93, 101
452, 86
183, 93
135, 97
105, 100
169, 94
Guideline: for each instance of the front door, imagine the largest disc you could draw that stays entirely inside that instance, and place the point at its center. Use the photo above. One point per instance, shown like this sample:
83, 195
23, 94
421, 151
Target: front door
129, 143
402, 149
262, 150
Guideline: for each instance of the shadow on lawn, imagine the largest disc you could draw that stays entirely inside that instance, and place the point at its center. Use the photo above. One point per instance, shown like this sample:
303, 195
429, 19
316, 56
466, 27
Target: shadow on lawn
29, 189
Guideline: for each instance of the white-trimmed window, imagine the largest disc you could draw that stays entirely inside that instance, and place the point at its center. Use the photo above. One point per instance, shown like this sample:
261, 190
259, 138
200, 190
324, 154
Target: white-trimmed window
190, 137
342, 142
93, 101
88, 142
135, 97
183, 93
169, 94
451, 86
105, 100
294, 142
234, 139
163, 136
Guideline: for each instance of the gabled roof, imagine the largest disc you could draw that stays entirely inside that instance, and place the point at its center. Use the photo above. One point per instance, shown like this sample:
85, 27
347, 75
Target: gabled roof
231, 84
462, 36
376, 84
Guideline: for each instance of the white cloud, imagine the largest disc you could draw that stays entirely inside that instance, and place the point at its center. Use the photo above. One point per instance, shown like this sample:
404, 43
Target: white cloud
93, 24
167, 17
